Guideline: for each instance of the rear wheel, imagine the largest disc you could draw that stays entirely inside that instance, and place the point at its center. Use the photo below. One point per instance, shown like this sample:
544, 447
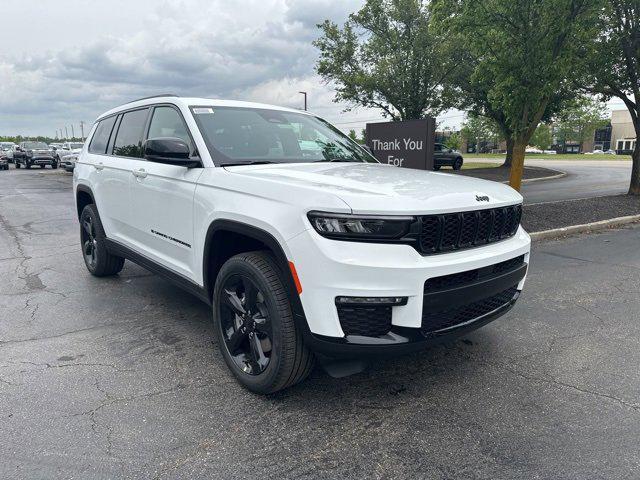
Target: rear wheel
254, 325
97, 258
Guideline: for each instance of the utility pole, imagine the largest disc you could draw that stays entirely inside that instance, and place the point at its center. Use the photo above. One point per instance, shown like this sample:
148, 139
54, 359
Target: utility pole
82, 130
305, 100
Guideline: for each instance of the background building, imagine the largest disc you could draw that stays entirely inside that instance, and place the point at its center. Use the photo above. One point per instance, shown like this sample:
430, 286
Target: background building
623, 135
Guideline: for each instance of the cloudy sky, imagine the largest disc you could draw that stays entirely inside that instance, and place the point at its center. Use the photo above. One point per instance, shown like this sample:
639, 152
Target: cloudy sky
66, 61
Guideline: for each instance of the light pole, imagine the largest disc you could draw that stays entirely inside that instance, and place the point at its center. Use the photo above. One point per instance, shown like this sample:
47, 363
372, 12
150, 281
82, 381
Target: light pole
66, 133
82, 130
305, 100
73, 134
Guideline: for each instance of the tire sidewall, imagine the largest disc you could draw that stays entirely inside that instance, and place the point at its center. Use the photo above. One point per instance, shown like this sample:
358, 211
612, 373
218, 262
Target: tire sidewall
258, 383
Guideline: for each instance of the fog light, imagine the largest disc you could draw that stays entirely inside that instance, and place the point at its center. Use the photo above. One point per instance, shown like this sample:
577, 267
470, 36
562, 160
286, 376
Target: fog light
392, 301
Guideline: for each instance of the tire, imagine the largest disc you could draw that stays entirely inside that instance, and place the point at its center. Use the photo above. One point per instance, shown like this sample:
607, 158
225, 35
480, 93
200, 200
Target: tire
457, 164
27, 165
289, 361
42, 166
17, 164
436, 167
54, 165
97, 258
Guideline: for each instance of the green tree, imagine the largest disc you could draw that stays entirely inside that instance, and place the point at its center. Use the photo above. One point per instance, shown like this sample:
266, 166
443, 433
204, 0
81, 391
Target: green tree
579, 121
542, 138
387, 56
477, 128
525, 53
453, 141
615, 66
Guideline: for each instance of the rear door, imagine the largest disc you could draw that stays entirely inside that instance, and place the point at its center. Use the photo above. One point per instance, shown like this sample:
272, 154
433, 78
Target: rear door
113, 169
162, 199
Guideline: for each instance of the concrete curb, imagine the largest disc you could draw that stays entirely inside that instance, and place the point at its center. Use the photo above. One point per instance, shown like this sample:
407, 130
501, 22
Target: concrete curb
560, 174
587, 227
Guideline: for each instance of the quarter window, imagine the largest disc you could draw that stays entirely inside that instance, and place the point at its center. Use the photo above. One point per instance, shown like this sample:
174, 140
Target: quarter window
129, 138
168, 123
101, 136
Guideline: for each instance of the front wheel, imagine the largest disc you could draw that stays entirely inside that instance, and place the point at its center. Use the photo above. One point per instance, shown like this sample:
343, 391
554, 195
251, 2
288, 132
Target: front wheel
254, 325
97, 258
457, 164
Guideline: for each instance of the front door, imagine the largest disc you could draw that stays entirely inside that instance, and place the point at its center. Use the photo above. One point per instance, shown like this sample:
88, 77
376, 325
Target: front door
162, 200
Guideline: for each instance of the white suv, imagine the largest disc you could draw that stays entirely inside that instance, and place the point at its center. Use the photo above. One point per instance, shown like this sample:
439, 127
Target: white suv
306, 247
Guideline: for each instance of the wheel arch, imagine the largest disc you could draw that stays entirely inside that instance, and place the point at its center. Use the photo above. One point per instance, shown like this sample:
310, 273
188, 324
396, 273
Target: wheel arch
236, 237
84, 197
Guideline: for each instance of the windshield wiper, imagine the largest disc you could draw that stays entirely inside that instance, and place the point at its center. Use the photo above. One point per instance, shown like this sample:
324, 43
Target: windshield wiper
250, 162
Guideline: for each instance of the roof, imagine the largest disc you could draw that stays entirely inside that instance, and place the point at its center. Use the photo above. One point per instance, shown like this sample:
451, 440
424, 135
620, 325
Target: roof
187, 102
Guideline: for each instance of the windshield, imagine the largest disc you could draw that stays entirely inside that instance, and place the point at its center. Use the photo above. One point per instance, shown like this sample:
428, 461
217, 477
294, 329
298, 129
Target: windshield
36, 145
238, 135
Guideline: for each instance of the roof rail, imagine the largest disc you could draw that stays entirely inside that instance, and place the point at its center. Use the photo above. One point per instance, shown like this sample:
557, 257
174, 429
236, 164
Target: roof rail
153, 96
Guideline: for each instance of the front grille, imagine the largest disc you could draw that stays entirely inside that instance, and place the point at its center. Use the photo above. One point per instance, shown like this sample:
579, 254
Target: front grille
370, 321
456, 231
434, 321
470, 276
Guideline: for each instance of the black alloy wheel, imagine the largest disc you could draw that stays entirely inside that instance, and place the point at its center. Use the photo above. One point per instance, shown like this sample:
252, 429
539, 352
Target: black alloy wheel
99, 261
245, 324
89, 242
254, 325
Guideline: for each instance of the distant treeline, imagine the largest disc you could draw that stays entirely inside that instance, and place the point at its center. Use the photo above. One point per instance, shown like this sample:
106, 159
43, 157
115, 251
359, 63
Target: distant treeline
20, 138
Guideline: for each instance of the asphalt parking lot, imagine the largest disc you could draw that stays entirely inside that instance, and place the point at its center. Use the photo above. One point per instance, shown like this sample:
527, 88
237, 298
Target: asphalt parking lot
118, 378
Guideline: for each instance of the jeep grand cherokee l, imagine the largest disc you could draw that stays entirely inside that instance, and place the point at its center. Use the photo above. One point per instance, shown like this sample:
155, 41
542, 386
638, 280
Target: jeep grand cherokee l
304, 245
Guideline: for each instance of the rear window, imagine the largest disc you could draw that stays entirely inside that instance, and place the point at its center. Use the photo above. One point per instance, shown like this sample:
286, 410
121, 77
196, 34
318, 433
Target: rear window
101, 137
128, 141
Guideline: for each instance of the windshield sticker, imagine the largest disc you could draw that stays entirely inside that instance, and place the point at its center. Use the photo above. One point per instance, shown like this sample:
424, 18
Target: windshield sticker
202, 110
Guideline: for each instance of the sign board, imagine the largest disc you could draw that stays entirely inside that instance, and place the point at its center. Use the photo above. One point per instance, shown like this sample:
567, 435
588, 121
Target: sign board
407, 144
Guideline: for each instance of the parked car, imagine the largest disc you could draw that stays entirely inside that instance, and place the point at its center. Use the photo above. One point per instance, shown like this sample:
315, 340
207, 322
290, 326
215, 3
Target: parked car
67, 148
35, 153
68, 162
550, 152
446, 157
533, 150
14, 152
4, 160
610, 152
304, 254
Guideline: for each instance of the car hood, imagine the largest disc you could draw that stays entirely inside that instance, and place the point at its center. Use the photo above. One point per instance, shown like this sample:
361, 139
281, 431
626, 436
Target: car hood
369, 188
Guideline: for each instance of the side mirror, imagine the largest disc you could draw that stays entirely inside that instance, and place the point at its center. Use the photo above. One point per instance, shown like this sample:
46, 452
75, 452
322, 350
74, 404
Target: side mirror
169, 150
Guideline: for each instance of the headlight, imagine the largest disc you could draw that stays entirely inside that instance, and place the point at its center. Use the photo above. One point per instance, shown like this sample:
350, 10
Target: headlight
360, 227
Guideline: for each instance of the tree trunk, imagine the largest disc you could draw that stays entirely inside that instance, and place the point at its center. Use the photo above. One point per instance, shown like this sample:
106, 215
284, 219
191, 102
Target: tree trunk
517, 164
509, 158
634, 186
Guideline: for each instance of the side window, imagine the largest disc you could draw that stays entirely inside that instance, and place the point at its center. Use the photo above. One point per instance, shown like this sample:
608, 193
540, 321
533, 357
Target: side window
128, 141
167, 122
101, 136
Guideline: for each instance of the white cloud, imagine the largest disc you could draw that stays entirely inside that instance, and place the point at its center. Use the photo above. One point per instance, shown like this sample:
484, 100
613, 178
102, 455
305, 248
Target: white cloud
255, 50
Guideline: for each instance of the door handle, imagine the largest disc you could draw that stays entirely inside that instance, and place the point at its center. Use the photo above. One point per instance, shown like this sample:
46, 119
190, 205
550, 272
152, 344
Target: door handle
141, 173
98, 166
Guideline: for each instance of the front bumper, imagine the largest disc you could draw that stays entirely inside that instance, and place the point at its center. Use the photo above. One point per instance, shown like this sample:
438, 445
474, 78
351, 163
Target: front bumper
40, 160
329, 268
